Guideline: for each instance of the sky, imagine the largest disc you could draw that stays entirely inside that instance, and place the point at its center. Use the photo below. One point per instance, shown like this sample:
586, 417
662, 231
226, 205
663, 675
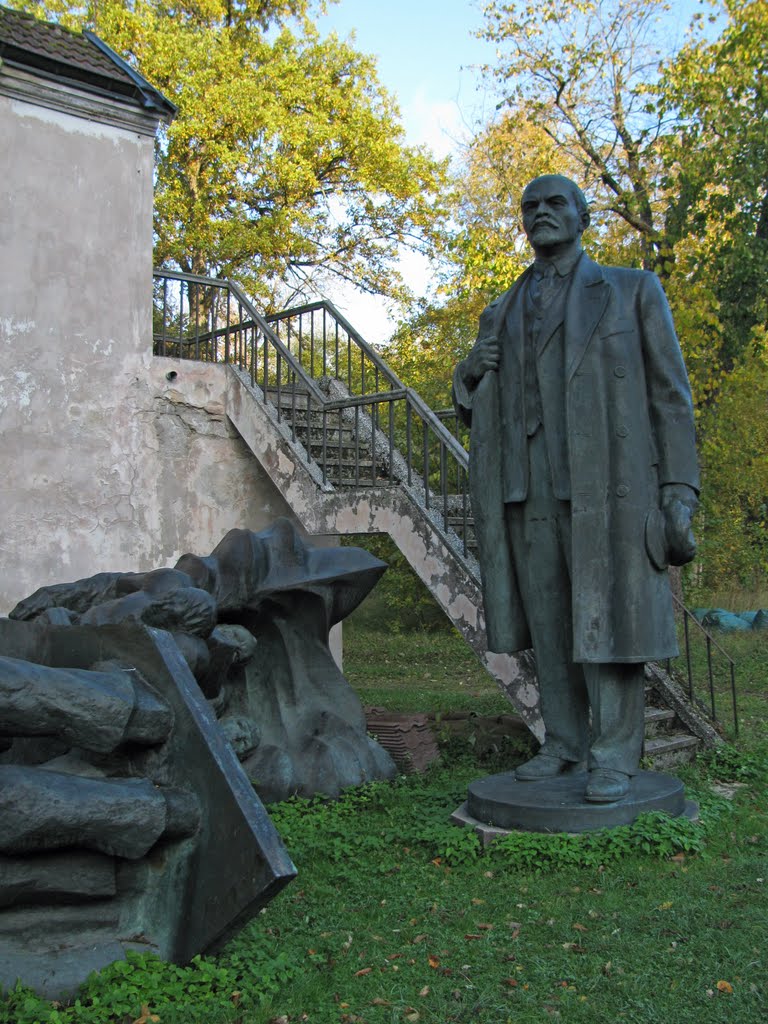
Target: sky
428, 56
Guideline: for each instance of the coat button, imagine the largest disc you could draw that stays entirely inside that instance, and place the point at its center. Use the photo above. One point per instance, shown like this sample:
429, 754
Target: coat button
622, 491
620, 371
621, 430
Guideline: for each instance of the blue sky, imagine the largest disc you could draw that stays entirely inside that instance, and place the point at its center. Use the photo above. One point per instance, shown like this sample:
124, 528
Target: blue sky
427, 56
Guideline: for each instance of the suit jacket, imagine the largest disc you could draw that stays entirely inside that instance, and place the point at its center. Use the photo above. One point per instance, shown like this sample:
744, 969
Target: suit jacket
629, 430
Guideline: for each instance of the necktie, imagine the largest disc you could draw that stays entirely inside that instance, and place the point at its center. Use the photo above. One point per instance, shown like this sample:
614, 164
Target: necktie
542, 286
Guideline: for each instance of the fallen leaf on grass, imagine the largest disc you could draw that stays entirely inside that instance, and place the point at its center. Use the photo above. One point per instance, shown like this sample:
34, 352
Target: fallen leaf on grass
394, 956
236, 997
378, 1001
580, 928
424, 991
477, 901
419, 938
665, 906
574, 947
279, 1020
512, 982
147, 1017
470, 936
433, 961
725, 986
363, 971
485, 927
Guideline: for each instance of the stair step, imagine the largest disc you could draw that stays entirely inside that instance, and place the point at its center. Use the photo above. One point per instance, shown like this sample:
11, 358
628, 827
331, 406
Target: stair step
667, 751
348, 451
658, 720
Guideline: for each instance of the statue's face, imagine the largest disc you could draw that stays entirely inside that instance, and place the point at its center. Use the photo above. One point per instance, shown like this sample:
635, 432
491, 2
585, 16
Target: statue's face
551, 216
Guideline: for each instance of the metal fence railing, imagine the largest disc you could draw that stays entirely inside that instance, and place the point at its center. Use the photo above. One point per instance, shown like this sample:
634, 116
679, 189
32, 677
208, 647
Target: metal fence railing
702, 657
296, 358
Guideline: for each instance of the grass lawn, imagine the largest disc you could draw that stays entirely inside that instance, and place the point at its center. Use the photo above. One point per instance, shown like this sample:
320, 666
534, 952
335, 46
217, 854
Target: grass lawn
398, 916
418, 671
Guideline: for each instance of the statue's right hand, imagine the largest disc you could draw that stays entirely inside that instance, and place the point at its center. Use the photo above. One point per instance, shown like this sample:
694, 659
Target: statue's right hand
484, 356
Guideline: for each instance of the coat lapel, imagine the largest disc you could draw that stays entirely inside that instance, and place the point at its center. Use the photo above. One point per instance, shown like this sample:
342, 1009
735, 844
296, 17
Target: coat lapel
584, 308
509, 303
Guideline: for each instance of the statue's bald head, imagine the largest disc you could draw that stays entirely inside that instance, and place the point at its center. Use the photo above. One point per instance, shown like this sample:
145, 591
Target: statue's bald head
568, 187
555, 214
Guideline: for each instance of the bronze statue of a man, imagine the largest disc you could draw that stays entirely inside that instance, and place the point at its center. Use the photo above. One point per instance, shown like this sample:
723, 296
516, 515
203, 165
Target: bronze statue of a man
584, 480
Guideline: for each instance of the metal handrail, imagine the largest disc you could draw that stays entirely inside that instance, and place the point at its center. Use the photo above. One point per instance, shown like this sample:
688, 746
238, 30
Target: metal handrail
256, 322
710, 643
207, 329
417, 403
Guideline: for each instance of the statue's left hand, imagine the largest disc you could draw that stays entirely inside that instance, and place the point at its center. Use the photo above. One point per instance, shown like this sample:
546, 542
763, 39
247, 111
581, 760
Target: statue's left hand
679, 503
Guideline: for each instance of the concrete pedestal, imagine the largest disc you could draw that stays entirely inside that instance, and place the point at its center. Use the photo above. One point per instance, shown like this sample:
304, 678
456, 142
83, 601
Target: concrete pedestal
500, 802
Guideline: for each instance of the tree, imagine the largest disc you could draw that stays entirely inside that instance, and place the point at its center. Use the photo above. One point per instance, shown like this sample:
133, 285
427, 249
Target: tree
717, 89
582, 72
674, 157
286, 162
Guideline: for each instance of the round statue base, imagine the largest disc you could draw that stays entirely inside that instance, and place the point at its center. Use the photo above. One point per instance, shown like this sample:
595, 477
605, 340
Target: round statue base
558, 804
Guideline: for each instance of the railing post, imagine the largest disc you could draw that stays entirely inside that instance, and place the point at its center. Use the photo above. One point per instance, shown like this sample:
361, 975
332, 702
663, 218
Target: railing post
426, 465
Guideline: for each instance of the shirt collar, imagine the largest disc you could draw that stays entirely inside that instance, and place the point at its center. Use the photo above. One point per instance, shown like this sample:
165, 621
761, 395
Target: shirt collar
563, 264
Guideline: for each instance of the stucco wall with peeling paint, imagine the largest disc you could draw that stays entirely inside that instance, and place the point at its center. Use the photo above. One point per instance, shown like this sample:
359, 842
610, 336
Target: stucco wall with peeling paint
105, 464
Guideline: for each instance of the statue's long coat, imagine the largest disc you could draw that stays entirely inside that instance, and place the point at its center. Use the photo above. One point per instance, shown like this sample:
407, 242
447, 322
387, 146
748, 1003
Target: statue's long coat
629, 430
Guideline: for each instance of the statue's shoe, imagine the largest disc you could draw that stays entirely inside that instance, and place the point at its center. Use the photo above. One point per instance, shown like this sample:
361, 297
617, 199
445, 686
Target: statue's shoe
606, 785
541, 766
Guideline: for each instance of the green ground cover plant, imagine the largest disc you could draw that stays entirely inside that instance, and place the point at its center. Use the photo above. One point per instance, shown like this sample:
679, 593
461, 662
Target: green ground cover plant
399, 916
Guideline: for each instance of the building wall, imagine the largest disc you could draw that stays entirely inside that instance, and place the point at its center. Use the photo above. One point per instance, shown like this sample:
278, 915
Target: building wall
105, 463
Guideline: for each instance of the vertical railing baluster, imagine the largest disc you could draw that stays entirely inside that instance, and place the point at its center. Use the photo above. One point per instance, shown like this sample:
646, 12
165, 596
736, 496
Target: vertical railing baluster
312, 344
181, 319
227, 329
463, 491
349, 362
293, 405
426, 463
688, 664
325, 342
733, 699
374, 421
309, 427
444, 482
325, 445
278, 382
711, 678
341, 449
391, 442
165, 314
357, 446
408, 451
194, 315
